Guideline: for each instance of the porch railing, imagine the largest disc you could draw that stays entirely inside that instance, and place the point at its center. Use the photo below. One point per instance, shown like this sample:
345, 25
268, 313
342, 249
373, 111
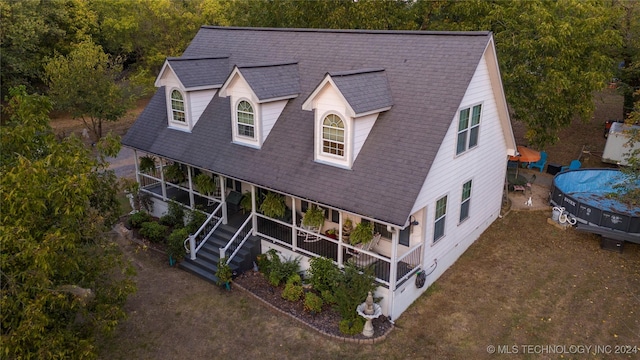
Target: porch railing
237, 240
275, 230
197, 240
409, 263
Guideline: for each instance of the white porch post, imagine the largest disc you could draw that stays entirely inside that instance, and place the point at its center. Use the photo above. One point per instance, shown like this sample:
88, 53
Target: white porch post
340, 252
163, 184
254, 218
192, 201
192, 247
223, 197
294, 222
393, 274
137, 165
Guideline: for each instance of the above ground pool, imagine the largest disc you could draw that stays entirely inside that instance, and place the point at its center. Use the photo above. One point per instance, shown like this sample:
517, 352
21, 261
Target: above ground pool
584, 194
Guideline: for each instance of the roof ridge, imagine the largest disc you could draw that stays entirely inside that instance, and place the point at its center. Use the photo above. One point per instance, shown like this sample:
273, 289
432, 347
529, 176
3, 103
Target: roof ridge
266, 64
353, 31
183, 58
355, 72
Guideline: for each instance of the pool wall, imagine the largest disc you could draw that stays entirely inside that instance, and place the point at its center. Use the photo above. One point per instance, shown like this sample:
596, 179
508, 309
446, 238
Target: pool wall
583, 193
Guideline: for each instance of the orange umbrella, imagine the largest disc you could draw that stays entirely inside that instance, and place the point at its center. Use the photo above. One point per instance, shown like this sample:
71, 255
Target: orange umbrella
525, 155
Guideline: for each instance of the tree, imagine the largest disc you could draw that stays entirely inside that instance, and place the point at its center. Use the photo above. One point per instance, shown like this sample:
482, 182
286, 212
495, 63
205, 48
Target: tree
553, 55
63, 282
628, 73
629, 191
86, 84
32, 30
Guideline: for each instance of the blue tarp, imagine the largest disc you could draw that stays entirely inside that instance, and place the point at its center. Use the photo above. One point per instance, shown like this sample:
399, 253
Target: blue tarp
594, 187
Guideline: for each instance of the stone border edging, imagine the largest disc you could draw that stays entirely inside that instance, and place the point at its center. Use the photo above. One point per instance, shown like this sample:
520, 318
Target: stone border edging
344, 339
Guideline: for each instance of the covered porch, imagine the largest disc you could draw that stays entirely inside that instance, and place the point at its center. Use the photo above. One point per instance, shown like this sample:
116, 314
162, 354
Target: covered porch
393, 260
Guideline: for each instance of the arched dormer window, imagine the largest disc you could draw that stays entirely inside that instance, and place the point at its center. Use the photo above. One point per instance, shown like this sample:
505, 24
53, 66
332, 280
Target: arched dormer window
246, 124
177, 106
333, 135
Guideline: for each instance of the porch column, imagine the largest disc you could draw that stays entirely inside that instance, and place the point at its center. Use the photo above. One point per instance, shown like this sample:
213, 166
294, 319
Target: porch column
137, 166
294, 222
393, 267
163, 184
254, 218
223, 198
340, 252
192, 201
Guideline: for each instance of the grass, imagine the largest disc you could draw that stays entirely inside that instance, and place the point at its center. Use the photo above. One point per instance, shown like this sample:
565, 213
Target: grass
523, 282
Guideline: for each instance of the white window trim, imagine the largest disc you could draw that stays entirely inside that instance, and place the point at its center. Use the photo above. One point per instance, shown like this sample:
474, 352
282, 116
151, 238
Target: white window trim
468, 128
328, 158
462, 201
242, 139
436, 219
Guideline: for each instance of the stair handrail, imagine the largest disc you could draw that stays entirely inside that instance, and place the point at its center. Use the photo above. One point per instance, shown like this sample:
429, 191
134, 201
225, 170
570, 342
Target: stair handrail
233, 240
194, 247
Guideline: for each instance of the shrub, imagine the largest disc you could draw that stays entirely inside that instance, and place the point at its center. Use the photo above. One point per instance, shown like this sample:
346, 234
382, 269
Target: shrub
174, 216
175, 243
295, 279
292, 292
264, 262
352, 290
279, 271
195, 219
153, 231
136, 220
313, 303
328, 297
323, 274
352, 326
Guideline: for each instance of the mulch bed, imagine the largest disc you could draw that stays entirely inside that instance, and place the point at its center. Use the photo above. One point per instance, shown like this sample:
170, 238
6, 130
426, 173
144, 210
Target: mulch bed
326, 322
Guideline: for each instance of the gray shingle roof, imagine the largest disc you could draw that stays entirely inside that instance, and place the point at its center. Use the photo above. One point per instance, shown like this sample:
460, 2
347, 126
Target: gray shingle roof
365, 90
427, 73
200, 71
270, 81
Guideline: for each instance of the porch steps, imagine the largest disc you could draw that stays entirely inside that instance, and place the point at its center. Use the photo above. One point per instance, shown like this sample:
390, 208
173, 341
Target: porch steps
206, 264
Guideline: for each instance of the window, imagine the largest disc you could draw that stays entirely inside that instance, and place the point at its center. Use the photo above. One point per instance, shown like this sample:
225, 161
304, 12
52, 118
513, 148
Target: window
246, 125
441, 213
468, 129
333, 135
177, 106
466, 200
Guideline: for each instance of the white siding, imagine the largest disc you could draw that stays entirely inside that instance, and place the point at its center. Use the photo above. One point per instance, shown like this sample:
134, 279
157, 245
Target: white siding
485, 165
198, 101
362, 127
270, 113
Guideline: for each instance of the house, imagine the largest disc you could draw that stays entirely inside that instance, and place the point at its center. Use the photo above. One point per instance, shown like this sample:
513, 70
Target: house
407, 130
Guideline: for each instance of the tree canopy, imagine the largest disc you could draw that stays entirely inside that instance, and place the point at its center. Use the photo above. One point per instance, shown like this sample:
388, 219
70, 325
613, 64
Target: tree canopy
63, 282
87, 84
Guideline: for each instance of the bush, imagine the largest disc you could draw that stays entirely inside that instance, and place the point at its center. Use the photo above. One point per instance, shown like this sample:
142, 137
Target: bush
195, 219
323, 274
352, 290
295, 279
175, 243
292, 292
264, 263
328, 297
153, 231
352, 326
313, 303
280, 271
174, 216
136, 220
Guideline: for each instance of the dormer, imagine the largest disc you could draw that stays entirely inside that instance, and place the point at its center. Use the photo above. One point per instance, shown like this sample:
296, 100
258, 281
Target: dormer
190, 84
346, 106
258, 94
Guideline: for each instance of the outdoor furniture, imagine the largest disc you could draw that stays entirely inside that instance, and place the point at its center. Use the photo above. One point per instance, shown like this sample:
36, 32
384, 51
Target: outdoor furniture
575, 164
311, 233
540, 163
367, 247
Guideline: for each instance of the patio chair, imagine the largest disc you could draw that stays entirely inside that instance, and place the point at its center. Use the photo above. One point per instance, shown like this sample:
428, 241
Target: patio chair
540, 163
311, 233
366, 247
525, 187
575, 164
